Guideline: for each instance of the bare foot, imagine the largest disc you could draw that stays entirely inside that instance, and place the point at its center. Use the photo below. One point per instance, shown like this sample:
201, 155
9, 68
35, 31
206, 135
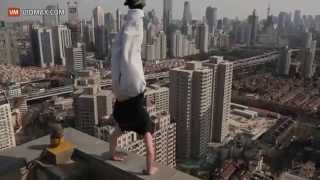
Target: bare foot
118, 158
153, 170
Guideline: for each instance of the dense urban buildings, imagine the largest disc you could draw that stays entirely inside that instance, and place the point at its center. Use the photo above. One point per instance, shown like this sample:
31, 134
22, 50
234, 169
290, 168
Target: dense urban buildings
7, 137
229, 98
157, 103
91, 103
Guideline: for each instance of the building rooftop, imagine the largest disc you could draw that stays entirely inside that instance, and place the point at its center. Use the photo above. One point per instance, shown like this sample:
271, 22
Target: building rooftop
91, 153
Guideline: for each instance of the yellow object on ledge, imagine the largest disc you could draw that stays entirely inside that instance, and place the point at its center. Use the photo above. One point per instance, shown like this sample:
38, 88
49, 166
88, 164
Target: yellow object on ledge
62, 153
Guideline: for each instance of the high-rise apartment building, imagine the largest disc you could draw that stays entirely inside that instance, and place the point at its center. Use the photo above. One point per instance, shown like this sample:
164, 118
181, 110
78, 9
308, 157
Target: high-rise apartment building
74, 22
158, 96
187, 15
284, 62
98, 16
91, 103
118, 20
7, 137
163, 45
42, 44
297, 19
190, 106
203, 37
309, 56
101, 42
76, 58
167, 15
110, 22
253, 21
221, 98
61, 40
6, 54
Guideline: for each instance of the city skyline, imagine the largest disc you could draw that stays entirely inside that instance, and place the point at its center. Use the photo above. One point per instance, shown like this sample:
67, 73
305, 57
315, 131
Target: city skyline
228, 8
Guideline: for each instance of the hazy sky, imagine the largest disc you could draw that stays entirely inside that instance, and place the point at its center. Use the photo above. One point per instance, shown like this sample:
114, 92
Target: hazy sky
227, 8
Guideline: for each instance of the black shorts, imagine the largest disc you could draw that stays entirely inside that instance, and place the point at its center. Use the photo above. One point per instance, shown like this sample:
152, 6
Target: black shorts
131, 115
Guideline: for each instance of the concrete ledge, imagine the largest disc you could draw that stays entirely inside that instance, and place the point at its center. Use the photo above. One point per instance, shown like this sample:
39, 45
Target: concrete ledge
94, 153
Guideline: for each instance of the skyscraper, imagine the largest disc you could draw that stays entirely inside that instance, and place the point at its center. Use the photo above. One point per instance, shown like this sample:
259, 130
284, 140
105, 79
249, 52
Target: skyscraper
73, 13
61, 40
297, 19
118, 20
50, 21
253, 21
7, 137
284, 62
187, 15
163, 45
74, 22
76, 58
6, 54
110, 22
190, 106
212, 18
101, 42
167, 15
203, 37
221, 97
309, 56
98, 16
42, 44
176, 44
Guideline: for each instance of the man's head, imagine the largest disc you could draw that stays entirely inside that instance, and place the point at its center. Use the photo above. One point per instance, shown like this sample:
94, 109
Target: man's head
135, 4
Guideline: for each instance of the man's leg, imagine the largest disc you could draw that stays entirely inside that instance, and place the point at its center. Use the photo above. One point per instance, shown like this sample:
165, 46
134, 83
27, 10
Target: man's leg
113, 145
148, 139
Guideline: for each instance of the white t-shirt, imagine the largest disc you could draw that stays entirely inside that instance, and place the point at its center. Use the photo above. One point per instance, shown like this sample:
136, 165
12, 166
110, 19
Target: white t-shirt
127, 69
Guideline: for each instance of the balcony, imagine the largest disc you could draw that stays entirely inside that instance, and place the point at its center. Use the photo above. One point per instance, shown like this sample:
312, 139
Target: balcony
90, 161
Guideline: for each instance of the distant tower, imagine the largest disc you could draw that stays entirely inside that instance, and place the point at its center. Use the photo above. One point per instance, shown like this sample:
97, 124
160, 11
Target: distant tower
167, 15
309, 56
253, 21
212, 18
61, 40
98, 16
297, 20
76, 58
42, 45
50, 21
284, 62
73, 14
74, 22
118, 20
203, 37
187, 15
109, 22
